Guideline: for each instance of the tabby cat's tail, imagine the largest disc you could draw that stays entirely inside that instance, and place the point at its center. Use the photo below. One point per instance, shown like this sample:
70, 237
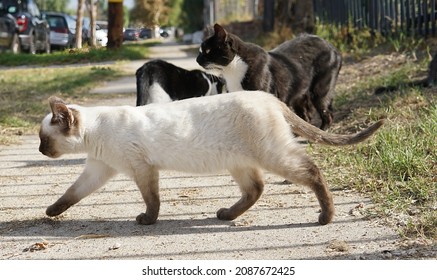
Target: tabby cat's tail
316, 135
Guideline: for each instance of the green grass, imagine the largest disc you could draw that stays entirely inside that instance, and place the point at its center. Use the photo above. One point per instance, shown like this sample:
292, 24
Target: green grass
397, 167
24, 93
73, 56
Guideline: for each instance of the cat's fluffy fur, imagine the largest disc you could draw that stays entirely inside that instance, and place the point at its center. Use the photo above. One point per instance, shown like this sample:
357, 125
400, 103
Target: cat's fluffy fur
243, 132
159, 81
300, 72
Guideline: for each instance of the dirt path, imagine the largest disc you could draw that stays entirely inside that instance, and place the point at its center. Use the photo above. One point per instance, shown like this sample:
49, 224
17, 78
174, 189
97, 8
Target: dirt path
282, 224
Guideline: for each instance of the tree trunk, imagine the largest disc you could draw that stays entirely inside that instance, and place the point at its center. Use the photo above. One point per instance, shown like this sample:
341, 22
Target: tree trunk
79, 19
115, 24
303, 16
93, 16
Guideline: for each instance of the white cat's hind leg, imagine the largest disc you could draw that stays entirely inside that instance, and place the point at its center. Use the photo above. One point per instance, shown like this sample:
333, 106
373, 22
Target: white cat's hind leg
251, 185
94, 176
298, 168
147, 180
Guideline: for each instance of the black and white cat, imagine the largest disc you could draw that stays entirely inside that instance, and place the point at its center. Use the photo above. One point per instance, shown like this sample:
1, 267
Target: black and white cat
242, 132
300, 72
159, 81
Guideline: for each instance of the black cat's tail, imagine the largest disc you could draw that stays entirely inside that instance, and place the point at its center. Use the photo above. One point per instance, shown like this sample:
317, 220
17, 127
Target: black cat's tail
316, 135
142, 85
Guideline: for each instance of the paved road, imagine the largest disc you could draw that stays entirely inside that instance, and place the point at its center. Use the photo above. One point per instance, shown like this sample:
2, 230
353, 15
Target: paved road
281, 225
178, 54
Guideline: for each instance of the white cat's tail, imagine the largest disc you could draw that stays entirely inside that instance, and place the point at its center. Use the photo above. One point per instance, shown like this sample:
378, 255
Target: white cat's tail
316, 135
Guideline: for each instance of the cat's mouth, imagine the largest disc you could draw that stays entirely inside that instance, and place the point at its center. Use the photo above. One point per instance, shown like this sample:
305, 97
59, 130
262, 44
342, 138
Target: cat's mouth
212, 67
50, 154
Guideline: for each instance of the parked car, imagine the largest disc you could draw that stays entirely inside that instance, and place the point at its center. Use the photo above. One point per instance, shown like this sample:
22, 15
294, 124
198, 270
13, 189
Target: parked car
34, 31
131, 34
101, 36
166, 31
9, 39
145, 33
62, 29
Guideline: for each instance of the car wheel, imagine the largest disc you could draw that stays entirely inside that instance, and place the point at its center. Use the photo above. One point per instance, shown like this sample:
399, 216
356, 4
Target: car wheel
32, 44
15, 45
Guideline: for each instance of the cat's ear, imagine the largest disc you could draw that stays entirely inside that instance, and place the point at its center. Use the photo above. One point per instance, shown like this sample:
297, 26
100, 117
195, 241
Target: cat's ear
220, 32
61, 114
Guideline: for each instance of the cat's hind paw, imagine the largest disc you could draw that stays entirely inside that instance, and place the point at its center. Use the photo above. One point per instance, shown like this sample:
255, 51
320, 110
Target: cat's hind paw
225, 214
145, 219
57, 209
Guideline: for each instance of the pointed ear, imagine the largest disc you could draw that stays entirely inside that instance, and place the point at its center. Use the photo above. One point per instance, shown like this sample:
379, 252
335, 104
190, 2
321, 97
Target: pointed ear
61, 114
220, 32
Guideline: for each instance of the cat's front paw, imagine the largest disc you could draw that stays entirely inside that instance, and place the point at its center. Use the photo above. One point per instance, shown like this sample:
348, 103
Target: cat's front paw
326, 217
145, 219
56, 209
225, 214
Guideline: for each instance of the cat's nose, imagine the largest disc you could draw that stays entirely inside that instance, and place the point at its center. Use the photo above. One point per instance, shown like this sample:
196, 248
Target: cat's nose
42, 150
199, 59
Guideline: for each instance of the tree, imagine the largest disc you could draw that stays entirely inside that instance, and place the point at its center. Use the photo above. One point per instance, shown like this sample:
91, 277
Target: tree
92, 8
150, 12
192, 15
79, 19
52, 5
297, 14
115, 23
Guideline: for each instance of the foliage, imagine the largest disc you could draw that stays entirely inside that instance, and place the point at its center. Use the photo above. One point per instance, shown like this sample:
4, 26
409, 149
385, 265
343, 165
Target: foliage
52, 5
175, 17
187, 14
149, 13
192, 15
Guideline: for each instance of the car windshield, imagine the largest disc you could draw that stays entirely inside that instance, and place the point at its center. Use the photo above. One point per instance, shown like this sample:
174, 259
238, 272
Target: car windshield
56, 22
71, 22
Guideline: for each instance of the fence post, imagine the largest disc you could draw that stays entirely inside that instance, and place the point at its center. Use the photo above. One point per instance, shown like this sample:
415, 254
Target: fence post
269, 15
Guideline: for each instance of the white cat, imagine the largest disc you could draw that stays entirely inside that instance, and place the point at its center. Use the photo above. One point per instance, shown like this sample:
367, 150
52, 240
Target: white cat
243, 132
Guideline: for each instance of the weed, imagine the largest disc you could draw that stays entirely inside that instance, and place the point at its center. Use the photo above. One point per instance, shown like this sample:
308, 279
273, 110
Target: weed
398, 165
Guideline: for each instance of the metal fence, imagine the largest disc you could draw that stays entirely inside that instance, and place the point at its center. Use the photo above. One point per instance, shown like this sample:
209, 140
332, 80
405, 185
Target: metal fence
388, 17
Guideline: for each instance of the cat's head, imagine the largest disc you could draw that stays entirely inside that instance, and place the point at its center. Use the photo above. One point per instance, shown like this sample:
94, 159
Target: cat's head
217, 51
60, 130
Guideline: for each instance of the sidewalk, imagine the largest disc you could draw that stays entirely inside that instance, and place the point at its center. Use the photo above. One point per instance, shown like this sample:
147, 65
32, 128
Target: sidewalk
179, 54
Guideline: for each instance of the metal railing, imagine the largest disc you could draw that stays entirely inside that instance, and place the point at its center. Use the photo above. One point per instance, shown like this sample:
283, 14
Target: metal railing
388, 17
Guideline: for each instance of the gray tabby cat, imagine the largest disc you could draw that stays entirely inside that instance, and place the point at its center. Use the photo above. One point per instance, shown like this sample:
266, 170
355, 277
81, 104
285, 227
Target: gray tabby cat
301, 72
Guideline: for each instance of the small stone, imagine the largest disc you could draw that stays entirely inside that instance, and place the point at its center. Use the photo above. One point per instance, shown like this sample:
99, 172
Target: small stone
338, 245
115, 246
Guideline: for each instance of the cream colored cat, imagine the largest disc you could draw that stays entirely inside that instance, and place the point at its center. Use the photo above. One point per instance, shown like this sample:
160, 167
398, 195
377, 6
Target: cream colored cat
243, 132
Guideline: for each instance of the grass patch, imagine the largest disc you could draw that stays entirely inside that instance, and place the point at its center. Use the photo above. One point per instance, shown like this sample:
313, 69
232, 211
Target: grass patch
24, 93
132, 51
397, 167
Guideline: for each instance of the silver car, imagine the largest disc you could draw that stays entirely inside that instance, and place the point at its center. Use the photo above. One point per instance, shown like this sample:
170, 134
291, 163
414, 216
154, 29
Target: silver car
62, 30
